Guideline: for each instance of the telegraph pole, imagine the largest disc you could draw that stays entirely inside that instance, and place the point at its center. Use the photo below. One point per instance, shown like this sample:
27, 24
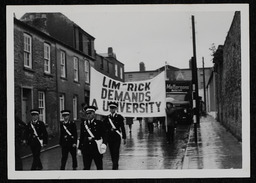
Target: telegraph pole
196, 101
204, 85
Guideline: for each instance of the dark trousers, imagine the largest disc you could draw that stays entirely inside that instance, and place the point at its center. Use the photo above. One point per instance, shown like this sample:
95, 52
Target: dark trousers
65, 151
114, 147
150, 127
92, 153
170, 133
36, 164
18, 161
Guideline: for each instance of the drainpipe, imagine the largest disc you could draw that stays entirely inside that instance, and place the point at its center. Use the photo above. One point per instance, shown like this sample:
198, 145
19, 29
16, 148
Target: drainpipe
57, 85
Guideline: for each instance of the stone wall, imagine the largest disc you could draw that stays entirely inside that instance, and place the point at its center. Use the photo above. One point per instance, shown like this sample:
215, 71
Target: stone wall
228, 79
231, 86
35, 80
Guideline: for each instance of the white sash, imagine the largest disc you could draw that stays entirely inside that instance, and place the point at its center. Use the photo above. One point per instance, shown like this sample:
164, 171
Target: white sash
113, 126
35, 133
88, 130
67, 130
98, 142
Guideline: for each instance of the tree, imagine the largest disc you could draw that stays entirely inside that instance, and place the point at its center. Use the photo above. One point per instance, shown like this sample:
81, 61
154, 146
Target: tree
212, 49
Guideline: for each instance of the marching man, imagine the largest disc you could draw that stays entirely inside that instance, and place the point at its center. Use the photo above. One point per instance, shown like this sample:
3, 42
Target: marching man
36, 137
93, 139
68, 139
116, 132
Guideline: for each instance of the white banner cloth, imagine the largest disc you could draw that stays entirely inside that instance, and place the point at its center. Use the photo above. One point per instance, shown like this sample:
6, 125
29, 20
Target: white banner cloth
135, 99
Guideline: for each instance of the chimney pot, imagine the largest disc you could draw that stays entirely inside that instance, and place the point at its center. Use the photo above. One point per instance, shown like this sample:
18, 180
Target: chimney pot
110, 50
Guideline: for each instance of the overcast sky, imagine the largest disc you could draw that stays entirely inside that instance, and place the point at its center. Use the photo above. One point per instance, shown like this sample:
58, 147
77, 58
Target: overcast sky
153, 34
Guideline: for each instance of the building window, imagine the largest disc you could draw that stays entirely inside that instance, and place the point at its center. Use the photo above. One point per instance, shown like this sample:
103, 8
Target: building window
76, 69
27, 51
63, 64
202, 85
102, 63
86, 97
121, 72
107, 67
111, 68
75, 107
80, 41
62, 105
47, 60
41, 105
89, 47
116, 72
86, 71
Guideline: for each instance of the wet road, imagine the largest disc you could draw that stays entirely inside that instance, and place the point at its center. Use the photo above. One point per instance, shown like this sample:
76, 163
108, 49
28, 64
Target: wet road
143, 151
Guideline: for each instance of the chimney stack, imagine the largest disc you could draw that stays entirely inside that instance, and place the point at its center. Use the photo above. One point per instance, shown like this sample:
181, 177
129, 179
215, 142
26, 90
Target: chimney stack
110, 50
111, 53
37, 20
142, 66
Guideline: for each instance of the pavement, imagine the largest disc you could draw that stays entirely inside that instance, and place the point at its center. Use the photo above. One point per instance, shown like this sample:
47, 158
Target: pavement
216, 147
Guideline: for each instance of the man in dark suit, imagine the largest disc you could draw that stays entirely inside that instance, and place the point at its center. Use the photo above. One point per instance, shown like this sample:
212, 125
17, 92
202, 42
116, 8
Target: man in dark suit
116, 132
68, 139
36, 137
170, 114
92, 130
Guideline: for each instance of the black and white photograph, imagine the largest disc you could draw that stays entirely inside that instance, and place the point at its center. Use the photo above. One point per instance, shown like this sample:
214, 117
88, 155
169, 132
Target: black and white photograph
128, 91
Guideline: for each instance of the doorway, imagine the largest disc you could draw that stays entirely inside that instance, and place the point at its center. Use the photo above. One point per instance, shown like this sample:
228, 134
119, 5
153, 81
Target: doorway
26, 103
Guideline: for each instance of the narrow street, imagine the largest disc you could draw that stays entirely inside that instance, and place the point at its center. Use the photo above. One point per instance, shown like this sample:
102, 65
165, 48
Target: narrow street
143, 151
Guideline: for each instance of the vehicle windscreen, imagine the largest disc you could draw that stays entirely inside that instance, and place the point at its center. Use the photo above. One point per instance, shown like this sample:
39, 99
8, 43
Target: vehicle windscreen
177, 97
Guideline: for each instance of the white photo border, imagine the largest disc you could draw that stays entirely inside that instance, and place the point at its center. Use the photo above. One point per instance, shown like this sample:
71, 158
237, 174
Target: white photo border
131, 174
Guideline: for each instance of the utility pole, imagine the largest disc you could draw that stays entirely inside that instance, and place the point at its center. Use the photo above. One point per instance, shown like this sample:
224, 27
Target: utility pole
204, 86
165, 69
196, 102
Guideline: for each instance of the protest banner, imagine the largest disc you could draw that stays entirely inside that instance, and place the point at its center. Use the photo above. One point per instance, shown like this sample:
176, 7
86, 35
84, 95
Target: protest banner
135, 99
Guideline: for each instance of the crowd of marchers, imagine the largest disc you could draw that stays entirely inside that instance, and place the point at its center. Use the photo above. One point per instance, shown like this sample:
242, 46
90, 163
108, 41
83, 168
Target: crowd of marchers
95, 136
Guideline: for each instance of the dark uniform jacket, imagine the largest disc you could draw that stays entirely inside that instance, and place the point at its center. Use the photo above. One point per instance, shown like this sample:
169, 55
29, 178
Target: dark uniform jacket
98, 130
118, 121
66, 139
41, 132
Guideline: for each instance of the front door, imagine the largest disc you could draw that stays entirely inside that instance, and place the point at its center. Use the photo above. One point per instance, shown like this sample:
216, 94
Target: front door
24, 109
26, 104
